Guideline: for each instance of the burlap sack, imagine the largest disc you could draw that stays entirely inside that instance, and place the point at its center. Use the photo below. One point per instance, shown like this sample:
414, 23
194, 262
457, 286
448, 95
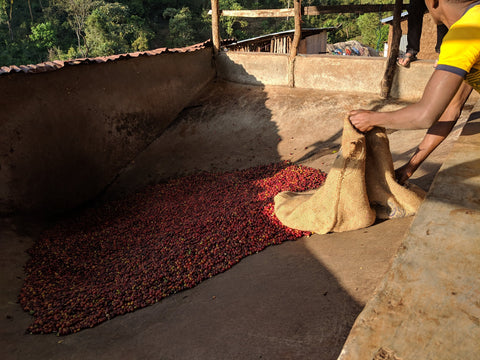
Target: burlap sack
362, 176
386, 196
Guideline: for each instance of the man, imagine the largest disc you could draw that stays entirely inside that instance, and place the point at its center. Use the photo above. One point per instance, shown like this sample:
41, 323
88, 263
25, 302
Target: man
416, 10
444, 93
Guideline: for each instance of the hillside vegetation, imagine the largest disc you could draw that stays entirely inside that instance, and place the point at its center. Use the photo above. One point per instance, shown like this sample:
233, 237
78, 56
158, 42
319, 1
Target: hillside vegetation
33, 31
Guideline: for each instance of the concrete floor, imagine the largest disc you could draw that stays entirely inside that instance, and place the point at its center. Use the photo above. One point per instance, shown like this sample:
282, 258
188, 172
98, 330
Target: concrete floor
297, 300
427, 306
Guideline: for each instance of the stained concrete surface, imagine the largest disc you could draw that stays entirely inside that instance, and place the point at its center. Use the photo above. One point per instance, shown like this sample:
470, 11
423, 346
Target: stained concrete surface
234, 126
297, 300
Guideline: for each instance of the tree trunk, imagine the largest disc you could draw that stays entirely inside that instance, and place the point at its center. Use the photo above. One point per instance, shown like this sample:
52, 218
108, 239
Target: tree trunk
79, 42
30, 9
85, 45
9, 21
10, 29
296, 41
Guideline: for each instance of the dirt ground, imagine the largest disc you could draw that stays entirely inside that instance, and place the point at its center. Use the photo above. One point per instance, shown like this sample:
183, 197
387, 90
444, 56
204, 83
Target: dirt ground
297, 300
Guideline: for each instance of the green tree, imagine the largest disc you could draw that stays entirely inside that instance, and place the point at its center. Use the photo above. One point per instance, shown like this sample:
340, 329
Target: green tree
6, 10
182, 32
32, 31
111, 29
43, 35
142, 42
346, 24
373, 33
78, 12
232, 27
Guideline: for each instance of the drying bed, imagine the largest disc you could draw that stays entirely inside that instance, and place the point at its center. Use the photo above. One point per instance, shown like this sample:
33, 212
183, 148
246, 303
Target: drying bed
127, 254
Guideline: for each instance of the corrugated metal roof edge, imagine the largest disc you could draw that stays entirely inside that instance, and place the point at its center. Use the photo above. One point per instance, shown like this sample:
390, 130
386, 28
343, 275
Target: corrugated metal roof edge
304, 32
403, 16
58, 64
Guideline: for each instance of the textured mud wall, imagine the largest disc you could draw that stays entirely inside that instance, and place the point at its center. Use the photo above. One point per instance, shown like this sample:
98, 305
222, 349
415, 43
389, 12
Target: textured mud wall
65, 134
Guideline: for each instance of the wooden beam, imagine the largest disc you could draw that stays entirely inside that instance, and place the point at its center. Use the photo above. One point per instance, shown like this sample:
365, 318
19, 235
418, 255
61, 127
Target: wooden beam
345, 9
297, 5
215, 27
393, 53
311, 10
258, 13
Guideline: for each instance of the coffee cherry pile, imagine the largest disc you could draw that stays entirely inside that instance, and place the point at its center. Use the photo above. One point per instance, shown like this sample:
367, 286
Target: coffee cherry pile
127, 254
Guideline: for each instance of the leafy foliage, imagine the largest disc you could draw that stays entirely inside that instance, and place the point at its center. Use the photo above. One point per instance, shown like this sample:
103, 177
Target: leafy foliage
33, 31
372, 33
43, 35
111, 29
182, 32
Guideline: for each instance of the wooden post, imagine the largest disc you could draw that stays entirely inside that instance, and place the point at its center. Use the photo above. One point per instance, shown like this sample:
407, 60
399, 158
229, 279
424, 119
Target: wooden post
387, 81
215, 27
297, 4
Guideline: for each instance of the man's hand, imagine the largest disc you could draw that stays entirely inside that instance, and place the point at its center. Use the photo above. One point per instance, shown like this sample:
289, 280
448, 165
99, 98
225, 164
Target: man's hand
402, 174
362, 119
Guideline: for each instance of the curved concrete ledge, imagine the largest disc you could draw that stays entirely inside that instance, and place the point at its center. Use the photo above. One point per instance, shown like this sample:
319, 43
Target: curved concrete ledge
428, 304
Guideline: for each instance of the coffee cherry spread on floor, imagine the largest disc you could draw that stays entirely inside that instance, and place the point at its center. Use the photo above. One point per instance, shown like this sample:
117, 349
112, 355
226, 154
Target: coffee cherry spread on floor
127, 254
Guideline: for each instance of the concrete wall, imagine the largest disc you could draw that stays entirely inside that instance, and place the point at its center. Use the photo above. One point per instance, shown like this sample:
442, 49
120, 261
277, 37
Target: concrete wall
339, 73
324, 72
65, 134
253, 68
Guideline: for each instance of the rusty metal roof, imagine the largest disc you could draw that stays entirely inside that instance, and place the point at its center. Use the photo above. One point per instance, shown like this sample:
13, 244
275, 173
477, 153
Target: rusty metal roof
58, 64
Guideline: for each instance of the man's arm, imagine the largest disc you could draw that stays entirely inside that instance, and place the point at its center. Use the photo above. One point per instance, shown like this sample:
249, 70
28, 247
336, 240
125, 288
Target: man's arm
436, 134
438, 93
